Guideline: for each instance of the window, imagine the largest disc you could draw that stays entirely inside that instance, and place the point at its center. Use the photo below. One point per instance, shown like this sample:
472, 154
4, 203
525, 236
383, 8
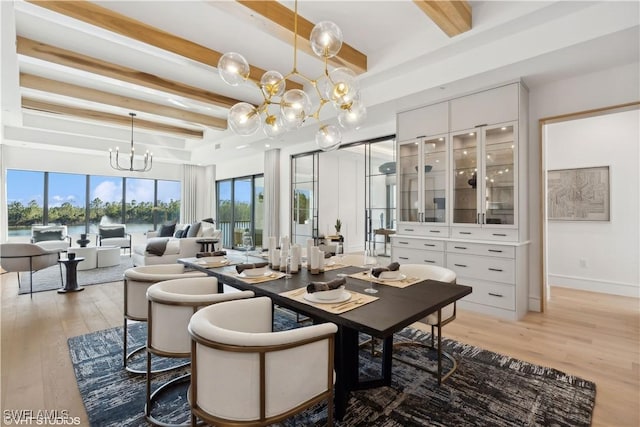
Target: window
105, 201
67, 201
240, 207
25, 199
140, 196
167, 202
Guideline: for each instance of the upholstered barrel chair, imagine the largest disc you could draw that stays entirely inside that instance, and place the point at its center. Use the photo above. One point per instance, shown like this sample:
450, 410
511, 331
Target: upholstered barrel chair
170, 305
29, 257
277, 374
436, 320
136, 282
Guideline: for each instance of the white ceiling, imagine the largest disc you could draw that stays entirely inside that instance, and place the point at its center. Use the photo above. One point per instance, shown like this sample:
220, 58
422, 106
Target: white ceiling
410, 62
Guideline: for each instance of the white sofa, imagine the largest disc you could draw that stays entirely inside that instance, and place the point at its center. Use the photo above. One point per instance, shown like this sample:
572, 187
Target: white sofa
184, 247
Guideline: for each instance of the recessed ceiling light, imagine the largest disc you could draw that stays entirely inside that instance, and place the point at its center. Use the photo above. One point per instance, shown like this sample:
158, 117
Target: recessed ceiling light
267, 145
240, 147
471, 134
503, 128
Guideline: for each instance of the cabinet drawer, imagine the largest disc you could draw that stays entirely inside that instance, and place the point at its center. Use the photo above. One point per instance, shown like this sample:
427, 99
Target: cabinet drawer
426, 230
492, 294
414, 256
478, 233
492, 269
423, 244
481, 249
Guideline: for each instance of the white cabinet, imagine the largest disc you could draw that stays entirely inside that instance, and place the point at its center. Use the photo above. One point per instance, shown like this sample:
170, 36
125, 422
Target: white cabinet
484, 108
485, 181
462, 195
423, 121
422, 175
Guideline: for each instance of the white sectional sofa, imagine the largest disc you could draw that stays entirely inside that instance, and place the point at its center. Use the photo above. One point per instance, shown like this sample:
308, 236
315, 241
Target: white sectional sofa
176, 247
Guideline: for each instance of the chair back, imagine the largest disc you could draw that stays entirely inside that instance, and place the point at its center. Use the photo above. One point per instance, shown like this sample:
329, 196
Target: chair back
432, 272
171, 304
111, 231
277, 374
355, 259
138, 279
16, 257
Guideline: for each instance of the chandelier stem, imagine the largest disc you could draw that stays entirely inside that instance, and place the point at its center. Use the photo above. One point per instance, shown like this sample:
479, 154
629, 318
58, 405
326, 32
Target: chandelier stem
295, 36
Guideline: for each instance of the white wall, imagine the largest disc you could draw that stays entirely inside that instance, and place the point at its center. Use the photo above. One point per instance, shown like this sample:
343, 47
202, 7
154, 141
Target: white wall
240, 165
608, 87
598, 256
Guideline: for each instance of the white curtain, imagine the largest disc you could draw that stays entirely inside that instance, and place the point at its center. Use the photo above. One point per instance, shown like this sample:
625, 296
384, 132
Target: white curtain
271, 194
198, 193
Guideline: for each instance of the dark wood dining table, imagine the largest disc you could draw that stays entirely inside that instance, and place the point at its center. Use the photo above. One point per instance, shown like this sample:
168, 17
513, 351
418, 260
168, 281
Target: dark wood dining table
394, 309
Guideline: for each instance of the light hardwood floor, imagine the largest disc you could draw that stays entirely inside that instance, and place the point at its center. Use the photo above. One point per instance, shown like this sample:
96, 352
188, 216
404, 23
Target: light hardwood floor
590, 335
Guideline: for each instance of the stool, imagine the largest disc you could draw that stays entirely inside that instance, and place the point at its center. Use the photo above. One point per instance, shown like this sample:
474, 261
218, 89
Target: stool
108, 256
169, 309
90, 257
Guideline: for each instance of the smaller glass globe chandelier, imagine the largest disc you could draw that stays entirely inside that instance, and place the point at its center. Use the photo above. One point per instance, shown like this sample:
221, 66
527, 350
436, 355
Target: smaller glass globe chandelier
283, 110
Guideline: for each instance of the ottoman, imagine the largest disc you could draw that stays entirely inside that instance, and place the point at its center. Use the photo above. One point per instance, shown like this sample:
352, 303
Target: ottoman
89, 255
108, 256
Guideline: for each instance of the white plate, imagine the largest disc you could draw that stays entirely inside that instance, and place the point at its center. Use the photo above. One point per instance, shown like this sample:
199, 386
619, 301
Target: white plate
312, 298
329, 263
212, 260
266, 274
395, 279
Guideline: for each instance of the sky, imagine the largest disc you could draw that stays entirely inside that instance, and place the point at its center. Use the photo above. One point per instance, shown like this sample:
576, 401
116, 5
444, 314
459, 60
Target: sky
24, 186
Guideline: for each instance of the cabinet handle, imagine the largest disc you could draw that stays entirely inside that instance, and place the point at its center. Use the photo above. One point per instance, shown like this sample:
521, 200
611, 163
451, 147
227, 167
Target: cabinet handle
465, 232
499, 234
495, 269
421, 216
482, 219
408, 229
478, 218
429, 261
403, 257
479, 126
434, 231
460, 247
495, 250
421, 136
459, 265
496, 295
429, 244
404, 243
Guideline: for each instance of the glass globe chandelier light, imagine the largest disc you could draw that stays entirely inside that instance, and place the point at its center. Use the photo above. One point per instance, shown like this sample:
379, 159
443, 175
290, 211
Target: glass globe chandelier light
283, 110
114, 161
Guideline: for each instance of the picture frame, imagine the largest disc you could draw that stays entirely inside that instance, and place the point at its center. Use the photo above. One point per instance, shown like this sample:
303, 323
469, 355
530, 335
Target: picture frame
579, 194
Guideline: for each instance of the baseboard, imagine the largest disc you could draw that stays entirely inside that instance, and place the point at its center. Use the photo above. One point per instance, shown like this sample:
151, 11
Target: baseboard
593, 285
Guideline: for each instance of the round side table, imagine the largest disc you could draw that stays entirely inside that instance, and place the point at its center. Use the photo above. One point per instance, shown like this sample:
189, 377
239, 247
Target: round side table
71, 284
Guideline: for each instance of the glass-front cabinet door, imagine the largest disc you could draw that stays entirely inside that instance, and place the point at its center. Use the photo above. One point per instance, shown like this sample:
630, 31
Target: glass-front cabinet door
422, 173
465, 177
499, 169
484, 171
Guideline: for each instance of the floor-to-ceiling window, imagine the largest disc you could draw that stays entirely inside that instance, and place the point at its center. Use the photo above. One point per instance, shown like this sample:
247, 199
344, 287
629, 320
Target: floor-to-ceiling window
25, 200
82, 202
240, 207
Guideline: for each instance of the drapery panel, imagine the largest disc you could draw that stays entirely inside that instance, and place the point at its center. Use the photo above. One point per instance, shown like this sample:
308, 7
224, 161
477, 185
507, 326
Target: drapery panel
198, 193
271, 194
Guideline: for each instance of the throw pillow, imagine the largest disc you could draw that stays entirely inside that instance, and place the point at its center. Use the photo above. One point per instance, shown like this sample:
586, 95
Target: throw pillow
46, 235
185, 232
109, 232
178, 234
194, 229
167, 230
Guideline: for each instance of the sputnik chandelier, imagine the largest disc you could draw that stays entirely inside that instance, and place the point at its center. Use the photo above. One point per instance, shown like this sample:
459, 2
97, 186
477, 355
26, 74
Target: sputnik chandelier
284, 110
114, 161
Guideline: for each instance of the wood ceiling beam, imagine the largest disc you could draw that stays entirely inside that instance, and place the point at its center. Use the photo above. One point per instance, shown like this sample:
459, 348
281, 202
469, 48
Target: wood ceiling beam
76, 60
105, 18
280, 21
452, 16
49, 107
61, 88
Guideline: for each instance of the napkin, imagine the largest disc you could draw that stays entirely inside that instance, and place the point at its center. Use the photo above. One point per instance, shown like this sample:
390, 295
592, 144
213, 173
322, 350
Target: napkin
242, 267
394, 266
208, 254
326, 286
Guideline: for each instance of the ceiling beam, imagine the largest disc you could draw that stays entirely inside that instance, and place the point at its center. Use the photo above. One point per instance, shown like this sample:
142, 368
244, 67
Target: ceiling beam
279, 20
76, 60
452, 16
99, 16
48, 107
61, 88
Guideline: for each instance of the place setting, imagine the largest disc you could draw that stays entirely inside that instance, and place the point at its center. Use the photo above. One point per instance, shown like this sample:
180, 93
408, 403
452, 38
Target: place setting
389, 275
330, 296
255, 273
213, 259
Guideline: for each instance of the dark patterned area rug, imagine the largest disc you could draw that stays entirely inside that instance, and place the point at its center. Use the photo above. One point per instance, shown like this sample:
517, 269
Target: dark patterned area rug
488, 389
48, 279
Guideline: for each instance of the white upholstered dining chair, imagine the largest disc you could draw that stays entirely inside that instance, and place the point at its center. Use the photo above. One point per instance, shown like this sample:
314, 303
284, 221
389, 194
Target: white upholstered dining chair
170, 305
136, 282
436, 320
278, 374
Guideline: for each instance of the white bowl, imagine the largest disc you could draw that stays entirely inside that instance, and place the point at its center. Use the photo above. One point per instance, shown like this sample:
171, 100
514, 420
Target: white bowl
389, 275
255, 272
329, 295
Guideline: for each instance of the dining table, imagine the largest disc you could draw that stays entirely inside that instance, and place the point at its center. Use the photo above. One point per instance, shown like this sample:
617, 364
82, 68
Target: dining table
378, 315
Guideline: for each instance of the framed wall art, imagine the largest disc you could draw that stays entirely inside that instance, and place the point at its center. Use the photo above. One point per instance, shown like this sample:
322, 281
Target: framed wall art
580, 194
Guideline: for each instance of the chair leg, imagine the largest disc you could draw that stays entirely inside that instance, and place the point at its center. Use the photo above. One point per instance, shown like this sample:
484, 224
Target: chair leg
61, 280
31, 284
